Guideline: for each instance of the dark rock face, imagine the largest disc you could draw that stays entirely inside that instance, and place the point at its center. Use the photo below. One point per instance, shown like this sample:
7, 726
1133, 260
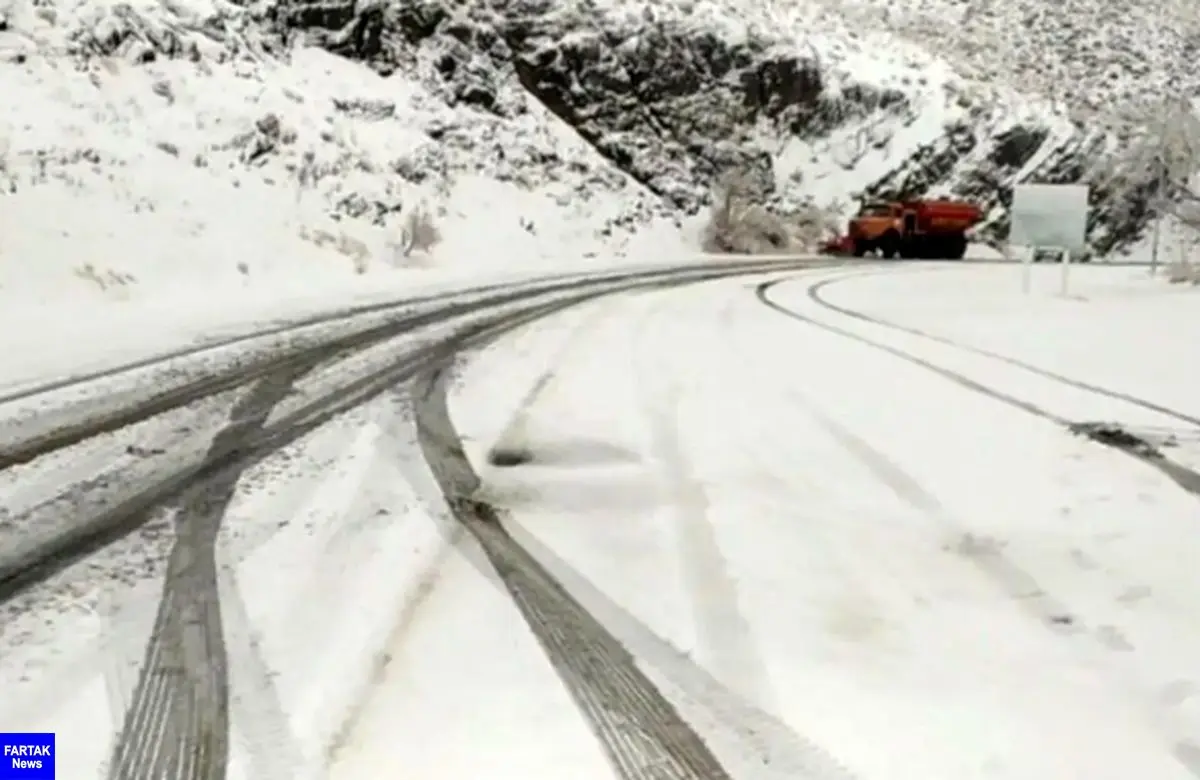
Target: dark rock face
671, 107
966, 162
676, 107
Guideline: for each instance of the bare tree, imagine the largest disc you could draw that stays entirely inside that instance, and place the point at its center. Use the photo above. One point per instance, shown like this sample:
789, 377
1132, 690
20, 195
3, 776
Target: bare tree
1160, 154
1172, 152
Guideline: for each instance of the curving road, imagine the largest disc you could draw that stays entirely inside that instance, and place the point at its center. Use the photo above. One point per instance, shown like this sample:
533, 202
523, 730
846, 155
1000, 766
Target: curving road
600, 650
133, 468
120, 485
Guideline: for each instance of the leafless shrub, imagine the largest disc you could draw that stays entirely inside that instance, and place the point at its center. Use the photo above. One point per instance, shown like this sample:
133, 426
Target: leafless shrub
105, 279
343, 244
739, 223
418, 233
1183, 273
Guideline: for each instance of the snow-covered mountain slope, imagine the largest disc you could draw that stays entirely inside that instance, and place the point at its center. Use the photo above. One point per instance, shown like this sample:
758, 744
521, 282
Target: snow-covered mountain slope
674, 92
164, 146
162, 143
1091, 56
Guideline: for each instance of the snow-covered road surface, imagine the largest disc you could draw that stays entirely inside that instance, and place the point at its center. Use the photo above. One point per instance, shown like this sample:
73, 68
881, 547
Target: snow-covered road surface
902, 575
93, 524
747, 541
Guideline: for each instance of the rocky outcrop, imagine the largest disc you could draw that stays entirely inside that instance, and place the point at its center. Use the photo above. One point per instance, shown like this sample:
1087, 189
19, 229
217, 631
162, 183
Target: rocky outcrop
969, 162
671, 105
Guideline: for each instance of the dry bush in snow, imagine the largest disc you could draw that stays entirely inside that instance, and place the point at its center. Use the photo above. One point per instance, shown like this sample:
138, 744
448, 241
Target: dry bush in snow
104, 278
1183, 273
740, 223
343, 244
1182, 270
418, 233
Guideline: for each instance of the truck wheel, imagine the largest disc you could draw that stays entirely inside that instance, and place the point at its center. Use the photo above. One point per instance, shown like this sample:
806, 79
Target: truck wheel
889, 244
915, 247
956, 247
862, 247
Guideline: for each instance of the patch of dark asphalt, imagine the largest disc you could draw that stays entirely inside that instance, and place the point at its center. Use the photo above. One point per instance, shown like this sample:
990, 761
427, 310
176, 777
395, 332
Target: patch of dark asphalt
1182, 476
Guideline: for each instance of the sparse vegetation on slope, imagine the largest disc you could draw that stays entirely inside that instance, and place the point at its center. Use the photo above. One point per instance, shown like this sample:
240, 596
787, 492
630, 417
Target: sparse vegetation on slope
652, 105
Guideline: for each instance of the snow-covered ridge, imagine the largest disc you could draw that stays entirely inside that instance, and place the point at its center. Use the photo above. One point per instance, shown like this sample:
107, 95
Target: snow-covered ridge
239, 140
1091, 56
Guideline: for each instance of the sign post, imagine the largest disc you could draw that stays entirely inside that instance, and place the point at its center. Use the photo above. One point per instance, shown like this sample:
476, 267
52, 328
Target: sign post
1049, 219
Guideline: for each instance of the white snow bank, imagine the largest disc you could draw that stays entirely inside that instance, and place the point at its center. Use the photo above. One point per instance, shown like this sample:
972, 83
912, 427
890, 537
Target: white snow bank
188, 189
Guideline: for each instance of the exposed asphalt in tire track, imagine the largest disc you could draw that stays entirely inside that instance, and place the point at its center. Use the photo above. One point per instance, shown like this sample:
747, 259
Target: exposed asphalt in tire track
176, 726
327, 318
88, 425
641, 732
1185, 478
815, 293
183, 685
84, 423
92, 533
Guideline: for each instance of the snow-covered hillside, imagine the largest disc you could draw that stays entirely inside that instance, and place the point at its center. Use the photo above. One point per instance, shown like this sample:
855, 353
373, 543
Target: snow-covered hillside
164, 145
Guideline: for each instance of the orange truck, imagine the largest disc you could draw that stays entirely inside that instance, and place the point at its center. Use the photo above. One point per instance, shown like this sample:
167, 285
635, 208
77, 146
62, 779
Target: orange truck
919, 229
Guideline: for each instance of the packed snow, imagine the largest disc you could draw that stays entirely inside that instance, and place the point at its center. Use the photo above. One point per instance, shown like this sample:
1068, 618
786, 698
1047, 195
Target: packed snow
783, 525
922, 581
835, 562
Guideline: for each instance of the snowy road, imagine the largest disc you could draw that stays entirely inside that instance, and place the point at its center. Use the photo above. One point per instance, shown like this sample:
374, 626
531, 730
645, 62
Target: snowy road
765, 550
124, 482
830, 524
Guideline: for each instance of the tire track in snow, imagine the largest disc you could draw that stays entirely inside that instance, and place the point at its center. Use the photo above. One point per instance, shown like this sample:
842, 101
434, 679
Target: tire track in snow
1185, 478
641, 732
1012, 579
256, 706
177, 725
398, 459
816, 293
1015, 581
773, 749
510, 448
1009, 578
726, 637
